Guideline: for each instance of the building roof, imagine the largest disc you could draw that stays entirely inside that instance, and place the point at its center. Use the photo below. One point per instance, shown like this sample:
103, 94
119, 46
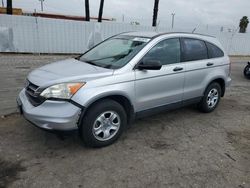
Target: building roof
64, 17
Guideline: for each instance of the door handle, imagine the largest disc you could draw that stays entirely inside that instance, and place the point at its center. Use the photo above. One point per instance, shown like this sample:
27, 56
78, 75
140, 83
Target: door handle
209, 64
177, 69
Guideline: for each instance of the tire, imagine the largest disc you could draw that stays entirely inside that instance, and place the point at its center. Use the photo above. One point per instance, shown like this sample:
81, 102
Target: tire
100, 121
247, 72
211, 98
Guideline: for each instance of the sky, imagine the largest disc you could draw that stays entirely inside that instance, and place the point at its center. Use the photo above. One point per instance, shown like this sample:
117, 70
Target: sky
188, 13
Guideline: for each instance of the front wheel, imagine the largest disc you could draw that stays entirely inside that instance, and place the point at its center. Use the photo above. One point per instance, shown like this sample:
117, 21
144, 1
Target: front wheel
103, 123
247, 71
211, 98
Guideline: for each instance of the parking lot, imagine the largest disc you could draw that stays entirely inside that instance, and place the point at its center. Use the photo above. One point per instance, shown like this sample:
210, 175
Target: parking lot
181, 148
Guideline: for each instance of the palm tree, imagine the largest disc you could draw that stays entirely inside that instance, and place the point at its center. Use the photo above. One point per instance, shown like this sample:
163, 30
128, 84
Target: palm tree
155, 13
100, 11
243, 24
87, 17
9, 6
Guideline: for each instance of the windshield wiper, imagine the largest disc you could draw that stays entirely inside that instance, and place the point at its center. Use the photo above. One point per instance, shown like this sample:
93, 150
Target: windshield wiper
89, 62
95, 64
117, 56
108, 66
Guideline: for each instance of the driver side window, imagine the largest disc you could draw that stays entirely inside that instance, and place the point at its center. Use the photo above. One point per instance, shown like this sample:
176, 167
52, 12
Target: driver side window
167, 52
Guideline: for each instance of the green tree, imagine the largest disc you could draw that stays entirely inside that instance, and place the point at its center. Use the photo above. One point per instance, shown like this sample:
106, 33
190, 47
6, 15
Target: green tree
156, 4
87, 17
100, 11
243, 24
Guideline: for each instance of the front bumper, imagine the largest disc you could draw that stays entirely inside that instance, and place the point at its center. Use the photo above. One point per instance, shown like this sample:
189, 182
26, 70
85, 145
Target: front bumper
50, 115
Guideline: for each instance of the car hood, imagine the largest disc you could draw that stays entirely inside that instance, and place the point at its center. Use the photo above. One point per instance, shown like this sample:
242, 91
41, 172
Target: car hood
66, 71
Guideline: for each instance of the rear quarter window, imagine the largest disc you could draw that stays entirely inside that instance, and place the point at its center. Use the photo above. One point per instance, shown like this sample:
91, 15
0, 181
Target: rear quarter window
214, 51
194, 49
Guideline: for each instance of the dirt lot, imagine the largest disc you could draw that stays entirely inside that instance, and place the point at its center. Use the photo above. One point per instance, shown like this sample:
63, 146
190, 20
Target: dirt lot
182, 148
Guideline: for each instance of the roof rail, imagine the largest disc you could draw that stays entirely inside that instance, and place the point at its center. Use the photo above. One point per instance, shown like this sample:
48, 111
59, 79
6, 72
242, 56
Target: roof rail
183, 33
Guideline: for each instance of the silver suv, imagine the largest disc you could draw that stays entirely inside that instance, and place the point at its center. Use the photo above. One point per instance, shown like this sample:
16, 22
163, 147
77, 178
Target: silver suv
127, 76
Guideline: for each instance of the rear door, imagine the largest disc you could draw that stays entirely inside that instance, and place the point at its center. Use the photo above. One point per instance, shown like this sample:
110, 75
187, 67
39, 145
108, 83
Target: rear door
199, 63
156, 88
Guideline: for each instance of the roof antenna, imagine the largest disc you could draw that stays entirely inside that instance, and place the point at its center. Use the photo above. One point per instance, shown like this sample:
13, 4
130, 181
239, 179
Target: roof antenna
194, 30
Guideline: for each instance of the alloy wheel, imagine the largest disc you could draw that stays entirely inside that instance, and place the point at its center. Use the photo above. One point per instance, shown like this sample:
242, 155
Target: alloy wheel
106, 125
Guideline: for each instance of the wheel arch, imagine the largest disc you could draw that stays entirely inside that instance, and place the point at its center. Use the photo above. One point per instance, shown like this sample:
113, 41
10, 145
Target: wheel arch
222, 83
124, 101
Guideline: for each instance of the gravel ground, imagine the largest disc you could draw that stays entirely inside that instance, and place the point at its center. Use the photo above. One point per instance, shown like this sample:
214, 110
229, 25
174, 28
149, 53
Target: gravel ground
181, 148
14, 69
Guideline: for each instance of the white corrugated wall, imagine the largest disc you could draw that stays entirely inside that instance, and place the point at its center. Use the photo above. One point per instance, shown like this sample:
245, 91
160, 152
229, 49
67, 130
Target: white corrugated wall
45, 35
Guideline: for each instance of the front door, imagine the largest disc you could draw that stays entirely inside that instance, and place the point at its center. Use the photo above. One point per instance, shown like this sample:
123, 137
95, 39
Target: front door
155, 88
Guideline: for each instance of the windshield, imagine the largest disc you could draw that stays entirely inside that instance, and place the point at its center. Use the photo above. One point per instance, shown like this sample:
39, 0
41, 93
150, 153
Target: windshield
114, 53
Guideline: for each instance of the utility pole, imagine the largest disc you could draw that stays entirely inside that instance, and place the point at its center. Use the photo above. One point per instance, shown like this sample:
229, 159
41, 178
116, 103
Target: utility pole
123, 18
2, 3
41, 4
9, 6
173, 14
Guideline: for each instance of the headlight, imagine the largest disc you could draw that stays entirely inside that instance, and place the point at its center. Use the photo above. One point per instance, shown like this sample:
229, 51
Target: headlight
62, 91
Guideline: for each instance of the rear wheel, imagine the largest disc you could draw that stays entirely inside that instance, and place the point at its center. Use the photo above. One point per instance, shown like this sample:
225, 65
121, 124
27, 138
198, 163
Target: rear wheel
211, 98
103, 123
247, 71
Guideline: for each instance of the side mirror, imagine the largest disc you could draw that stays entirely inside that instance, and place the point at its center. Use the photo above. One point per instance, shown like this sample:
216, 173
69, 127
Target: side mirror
149, 65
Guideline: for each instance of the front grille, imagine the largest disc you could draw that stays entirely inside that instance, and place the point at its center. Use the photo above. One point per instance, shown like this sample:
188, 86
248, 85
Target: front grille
32, 94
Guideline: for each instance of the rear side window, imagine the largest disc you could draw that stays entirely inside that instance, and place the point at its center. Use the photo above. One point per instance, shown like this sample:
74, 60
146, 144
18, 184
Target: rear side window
214, 51
167, 52
194, 49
